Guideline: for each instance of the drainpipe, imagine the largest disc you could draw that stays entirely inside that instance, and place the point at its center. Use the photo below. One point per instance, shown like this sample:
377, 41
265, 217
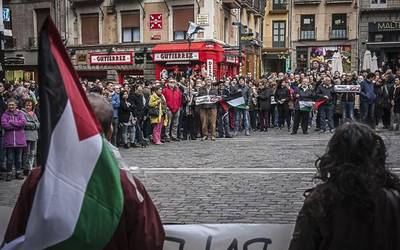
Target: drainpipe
290, 33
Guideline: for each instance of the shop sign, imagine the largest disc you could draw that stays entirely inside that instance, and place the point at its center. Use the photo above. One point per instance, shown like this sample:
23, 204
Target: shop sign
210, 68
81, 58
202, 20
156, 37
232, 59
384, 26
113, 59
176, 56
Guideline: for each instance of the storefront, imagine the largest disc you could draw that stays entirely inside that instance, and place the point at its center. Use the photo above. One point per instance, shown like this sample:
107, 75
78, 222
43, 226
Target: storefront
384, 42
180, 59
107, 66
275, 61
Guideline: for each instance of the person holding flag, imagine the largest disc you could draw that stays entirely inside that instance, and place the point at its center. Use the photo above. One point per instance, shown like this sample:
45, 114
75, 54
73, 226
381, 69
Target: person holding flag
303, 98
81, 197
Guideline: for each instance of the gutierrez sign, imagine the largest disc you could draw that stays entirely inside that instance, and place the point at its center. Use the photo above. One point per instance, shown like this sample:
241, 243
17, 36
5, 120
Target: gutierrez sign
111, 59
176, 56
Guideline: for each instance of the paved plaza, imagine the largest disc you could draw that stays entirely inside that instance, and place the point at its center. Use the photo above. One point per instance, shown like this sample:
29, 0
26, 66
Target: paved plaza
255, 179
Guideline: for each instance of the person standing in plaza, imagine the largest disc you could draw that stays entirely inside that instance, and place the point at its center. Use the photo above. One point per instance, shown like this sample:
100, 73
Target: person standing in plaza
395, 104
31, 134
3, 108
356, 205
114, 99
282, 97
303, 102
13, 122
126, 120
208, 112
157, 113
326, 92
367, 100
264, 104
173, 97
242, 116
348, 100
223, 115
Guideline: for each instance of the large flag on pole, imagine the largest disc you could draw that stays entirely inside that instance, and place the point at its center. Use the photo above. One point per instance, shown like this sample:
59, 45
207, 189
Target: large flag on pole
79, 200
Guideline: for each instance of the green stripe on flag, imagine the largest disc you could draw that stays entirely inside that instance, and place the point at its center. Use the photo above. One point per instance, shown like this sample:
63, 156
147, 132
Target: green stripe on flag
237, 103
101, 208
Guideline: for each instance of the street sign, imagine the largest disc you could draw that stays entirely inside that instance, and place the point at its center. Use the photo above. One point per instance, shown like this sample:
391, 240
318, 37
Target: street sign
202, 19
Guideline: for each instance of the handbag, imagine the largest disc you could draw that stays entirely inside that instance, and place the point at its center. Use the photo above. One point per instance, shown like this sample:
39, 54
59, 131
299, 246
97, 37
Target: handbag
154, 112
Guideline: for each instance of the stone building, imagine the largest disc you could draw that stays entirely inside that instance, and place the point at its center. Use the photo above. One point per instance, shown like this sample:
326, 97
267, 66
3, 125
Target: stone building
319, 28
380, 31
276, 43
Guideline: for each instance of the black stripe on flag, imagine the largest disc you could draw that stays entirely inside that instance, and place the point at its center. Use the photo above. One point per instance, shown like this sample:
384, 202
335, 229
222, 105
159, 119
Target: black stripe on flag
52, 94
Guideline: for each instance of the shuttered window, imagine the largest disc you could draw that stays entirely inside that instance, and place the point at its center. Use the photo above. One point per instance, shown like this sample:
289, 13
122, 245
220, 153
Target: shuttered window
182, 16
90, 28
130, 24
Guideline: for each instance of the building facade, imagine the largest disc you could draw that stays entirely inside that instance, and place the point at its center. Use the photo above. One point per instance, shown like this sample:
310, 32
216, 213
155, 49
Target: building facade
275, 51
380, 31
23, 24
319, 28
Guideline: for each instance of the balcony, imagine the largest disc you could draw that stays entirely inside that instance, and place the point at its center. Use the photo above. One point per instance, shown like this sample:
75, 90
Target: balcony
339, 1
33, 42
231, 4
338, 34
307, 2
305, 35
279, 7
80, 3
247, 3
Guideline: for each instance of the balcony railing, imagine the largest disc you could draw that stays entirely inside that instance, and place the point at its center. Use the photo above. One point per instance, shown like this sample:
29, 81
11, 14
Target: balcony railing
307, 1
232, 4
33, 42
279, 6
338, 34
307, 34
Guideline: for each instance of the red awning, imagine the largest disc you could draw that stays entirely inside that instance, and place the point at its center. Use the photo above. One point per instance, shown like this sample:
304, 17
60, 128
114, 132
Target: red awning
178, 47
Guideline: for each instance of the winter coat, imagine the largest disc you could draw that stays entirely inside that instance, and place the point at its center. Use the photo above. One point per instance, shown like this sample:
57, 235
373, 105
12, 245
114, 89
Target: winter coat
344, 228
395, 96
203, 91
378, 90
246, 93
328, 91
158, 102
367, 92
282, 93
115, 102
125, 110
138, 105
348, 97
173, 97
305, 94
13, 124
264, 99
32, 126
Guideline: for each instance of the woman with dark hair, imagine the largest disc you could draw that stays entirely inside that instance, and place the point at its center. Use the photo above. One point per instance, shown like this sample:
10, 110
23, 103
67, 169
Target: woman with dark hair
357, 204
282, 97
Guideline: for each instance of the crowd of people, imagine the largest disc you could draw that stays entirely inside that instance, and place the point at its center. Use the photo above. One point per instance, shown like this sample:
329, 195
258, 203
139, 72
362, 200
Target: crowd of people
156, 112
166, 110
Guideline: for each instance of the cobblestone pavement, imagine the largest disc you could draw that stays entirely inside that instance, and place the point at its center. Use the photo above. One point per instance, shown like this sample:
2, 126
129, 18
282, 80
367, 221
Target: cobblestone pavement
255, 179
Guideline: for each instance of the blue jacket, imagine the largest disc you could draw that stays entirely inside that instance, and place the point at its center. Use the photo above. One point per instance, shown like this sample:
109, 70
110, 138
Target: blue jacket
116, 102
367, 92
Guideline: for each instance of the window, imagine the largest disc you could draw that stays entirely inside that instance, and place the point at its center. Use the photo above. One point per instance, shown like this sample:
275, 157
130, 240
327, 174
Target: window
301, 58
226, 29
90, 28
182, 16
278, 33
307, 27
130, 24
278, 5
339, 26
378, 1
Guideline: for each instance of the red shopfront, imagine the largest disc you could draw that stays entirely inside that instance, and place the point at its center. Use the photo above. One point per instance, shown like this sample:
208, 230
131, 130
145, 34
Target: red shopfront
206, 56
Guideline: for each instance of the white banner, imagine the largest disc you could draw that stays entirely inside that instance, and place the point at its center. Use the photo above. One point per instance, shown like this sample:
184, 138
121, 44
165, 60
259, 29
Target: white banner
228, 237
347, 88
207, 99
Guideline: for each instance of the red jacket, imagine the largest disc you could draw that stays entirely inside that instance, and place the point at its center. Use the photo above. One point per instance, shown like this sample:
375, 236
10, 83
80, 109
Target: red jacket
139, 228
173, 96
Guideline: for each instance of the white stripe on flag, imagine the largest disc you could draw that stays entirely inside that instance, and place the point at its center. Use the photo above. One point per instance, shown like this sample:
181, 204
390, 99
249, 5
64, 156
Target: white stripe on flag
61, 189
236, 102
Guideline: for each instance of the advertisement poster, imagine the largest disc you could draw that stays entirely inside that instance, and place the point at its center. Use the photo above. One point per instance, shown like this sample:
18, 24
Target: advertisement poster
321, 58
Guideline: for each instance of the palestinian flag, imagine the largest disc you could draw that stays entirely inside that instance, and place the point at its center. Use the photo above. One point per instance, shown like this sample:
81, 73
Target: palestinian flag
235, 100
318, 103
79, 200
